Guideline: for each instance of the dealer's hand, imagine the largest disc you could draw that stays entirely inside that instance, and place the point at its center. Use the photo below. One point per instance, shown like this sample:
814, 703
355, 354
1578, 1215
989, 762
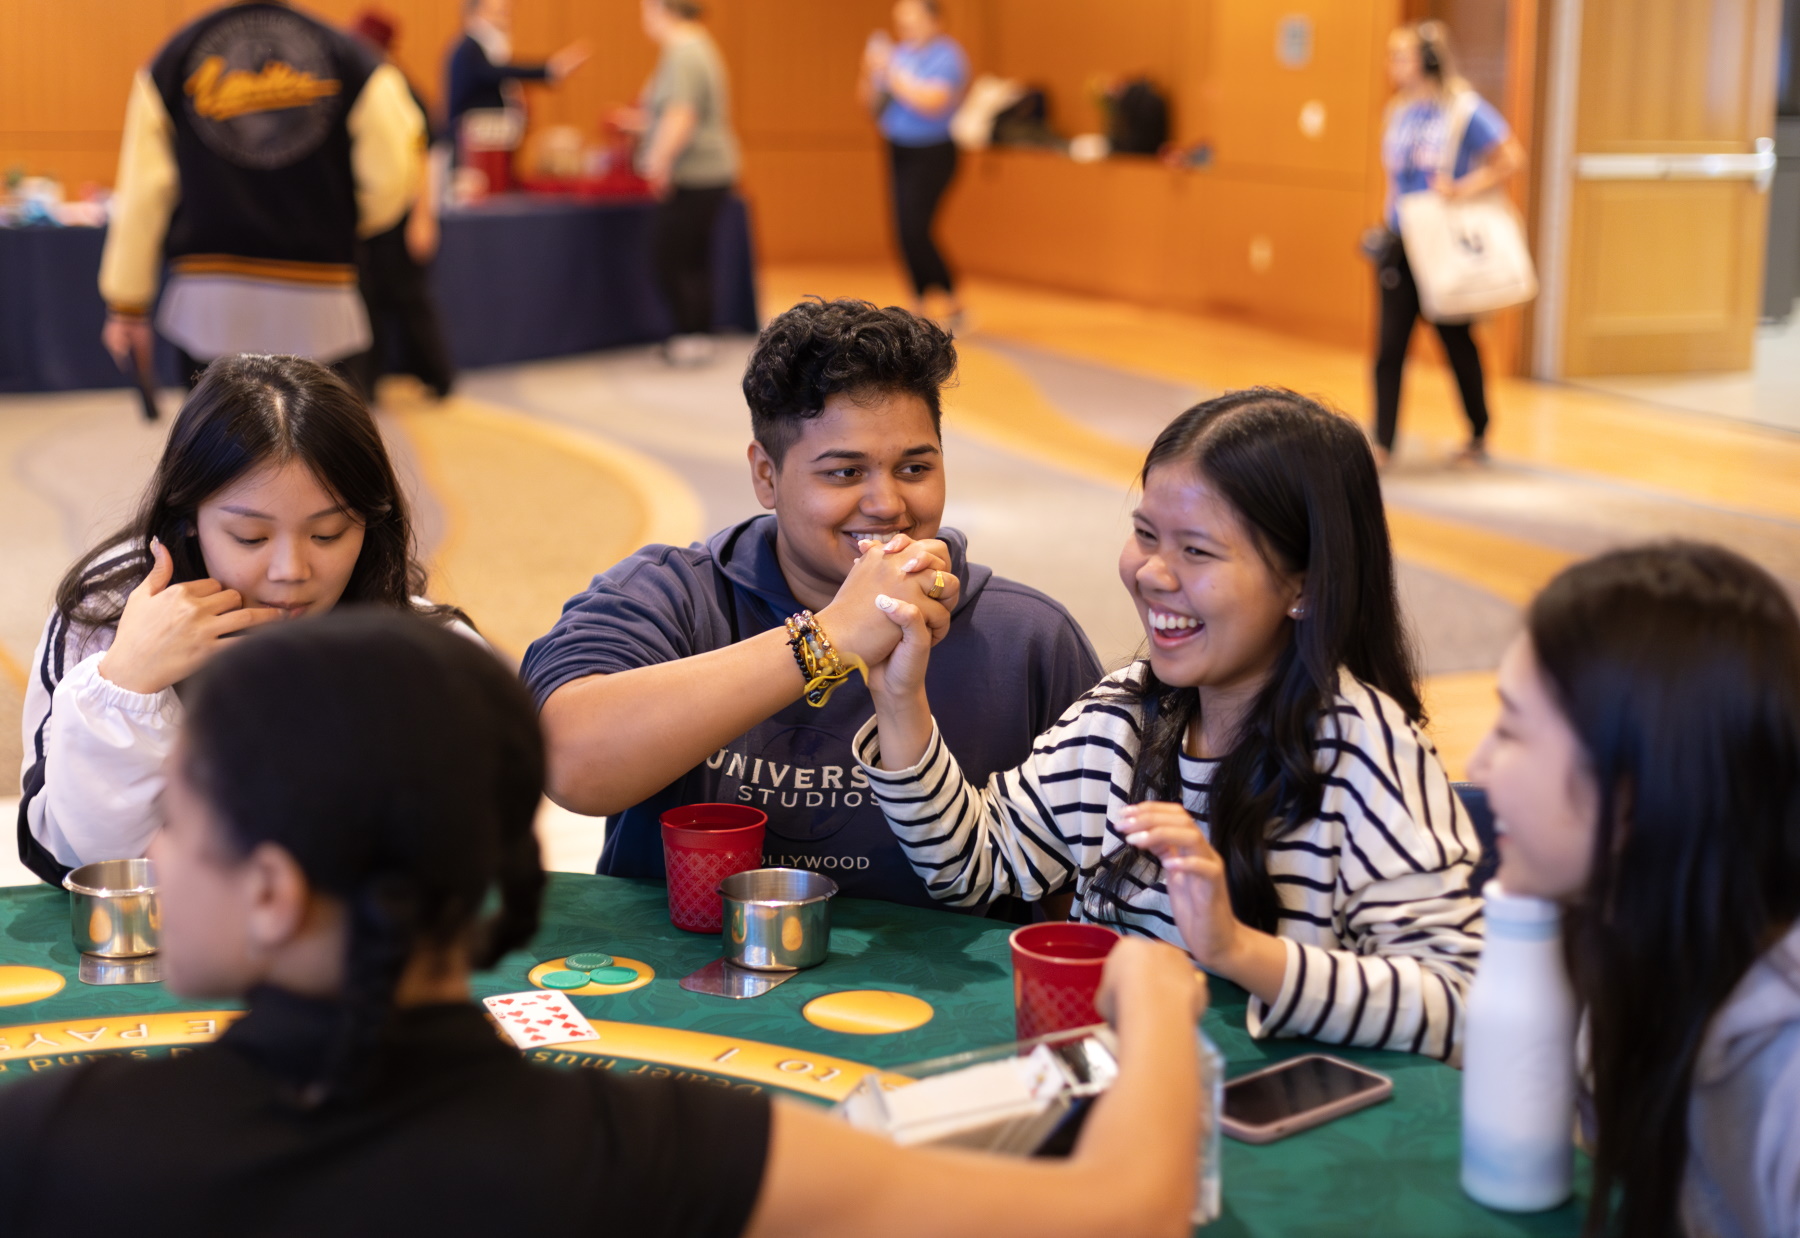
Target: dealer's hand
167, 631
1201, 900
900, 568
1139, 970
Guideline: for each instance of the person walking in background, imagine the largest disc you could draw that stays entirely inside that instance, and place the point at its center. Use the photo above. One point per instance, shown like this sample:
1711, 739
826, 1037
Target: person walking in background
482, 73
689, 155
259, 144
914, 87
396, 287
1419, 124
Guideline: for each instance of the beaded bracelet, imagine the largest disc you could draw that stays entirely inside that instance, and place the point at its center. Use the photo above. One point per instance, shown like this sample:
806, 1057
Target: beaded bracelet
818, 661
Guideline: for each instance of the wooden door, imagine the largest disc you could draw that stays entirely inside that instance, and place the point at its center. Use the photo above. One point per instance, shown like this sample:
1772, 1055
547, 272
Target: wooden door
1668, 204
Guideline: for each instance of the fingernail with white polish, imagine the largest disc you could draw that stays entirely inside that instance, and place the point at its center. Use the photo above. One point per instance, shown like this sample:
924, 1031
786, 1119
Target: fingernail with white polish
1137, 839
884, 602
910, 565
896, 541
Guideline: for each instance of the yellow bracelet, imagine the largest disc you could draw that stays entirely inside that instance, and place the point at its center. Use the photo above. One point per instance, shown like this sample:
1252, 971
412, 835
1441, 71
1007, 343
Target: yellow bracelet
821, 664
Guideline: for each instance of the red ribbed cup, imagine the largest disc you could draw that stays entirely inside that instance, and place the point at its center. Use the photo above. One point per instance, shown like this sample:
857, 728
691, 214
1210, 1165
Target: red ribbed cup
702, 845
1056, 974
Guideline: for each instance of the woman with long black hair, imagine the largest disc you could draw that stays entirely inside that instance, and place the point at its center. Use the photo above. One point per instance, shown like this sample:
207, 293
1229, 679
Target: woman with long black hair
1644, 771
349, 835
274, 499
1257, 789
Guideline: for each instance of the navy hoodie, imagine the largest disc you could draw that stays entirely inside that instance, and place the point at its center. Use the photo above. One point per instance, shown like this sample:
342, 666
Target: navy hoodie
1012, 662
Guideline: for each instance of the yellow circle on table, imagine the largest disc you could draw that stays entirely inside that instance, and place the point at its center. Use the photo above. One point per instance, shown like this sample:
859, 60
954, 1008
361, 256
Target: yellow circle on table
19, 985
868, 1012
645, 974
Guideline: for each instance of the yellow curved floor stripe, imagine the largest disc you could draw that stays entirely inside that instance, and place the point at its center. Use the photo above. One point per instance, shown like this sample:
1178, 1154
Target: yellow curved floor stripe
999, 404
534, 511
1713, 460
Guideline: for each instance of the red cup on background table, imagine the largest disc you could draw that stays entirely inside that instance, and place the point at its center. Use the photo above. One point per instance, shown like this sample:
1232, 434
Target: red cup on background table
702, 845
1056, 975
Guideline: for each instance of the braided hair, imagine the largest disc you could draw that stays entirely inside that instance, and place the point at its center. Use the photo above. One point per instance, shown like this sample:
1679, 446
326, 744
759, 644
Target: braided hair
1303, 481
400, 765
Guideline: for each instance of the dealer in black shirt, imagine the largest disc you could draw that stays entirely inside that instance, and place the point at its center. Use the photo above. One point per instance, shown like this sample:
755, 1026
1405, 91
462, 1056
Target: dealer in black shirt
350, 797
459, 1135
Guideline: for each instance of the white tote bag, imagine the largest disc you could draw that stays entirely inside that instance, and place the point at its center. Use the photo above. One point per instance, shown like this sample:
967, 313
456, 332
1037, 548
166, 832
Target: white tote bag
1469, 256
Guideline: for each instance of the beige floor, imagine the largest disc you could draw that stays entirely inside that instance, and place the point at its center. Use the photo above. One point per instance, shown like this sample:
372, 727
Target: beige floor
538, 476
1767, 395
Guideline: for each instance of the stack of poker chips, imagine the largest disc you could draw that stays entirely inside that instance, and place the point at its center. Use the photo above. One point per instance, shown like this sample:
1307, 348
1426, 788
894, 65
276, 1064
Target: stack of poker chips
580, 970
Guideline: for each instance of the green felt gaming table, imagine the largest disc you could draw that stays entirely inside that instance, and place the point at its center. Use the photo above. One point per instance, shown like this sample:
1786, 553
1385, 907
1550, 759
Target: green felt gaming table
1389, 1170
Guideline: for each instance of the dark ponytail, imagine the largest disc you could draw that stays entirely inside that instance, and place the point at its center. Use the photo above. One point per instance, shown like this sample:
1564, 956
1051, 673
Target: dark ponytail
1678, 668
401, 766
1303, 481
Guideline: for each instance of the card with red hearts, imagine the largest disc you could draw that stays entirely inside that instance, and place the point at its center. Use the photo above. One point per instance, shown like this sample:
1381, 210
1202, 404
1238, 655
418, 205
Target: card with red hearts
538, 1017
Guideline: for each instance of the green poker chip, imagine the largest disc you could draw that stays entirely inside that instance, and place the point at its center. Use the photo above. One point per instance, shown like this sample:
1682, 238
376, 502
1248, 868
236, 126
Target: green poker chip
612, 975
564, 979
587, 962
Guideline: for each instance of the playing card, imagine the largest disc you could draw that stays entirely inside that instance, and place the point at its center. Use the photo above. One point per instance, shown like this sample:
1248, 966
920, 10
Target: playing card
539, 1017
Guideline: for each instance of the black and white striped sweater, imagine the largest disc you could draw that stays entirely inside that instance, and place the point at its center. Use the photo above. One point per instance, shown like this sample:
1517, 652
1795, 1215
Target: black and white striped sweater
1382, 933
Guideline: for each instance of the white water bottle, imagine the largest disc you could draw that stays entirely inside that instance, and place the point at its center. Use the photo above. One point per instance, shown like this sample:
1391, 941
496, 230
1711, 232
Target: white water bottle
1518, 1118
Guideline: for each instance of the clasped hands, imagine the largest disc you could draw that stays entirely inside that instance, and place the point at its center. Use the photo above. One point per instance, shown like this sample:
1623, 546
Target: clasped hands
887, 600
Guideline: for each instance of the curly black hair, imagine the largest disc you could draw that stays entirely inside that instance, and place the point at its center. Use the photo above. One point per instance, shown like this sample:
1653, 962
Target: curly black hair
820, 348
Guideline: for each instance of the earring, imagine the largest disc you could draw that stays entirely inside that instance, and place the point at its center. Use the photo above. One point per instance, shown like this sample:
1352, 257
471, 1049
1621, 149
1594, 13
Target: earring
1297, 611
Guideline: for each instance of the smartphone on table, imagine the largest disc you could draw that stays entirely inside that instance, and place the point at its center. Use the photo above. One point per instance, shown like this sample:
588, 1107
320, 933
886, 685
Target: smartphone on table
1302, 1092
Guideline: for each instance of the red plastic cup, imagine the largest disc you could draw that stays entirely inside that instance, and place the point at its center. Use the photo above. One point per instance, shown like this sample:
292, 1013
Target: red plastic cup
1056, 974
496, 165
702, 845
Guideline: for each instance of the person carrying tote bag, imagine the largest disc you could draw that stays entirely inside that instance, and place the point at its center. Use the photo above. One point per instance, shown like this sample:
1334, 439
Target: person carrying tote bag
1468, 254
1445, 144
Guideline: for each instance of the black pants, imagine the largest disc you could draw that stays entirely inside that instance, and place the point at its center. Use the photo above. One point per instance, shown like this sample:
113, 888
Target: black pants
403, 318
681, 245
921, 174
1399, 309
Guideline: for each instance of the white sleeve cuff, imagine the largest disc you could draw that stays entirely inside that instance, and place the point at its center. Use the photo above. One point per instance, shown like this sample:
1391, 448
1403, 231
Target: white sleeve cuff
1257, 1012
87, 684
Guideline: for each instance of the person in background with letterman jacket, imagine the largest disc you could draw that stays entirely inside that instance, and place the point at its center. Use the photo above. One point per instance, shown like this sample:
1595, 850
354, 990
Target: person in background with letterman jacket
259, 145
671, 680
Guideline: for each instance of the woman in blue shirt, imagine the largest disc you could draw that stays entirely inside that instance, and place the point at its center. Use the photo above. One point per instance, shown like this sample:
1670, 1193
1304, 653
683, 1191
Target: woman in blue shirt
914, 87
1426, 85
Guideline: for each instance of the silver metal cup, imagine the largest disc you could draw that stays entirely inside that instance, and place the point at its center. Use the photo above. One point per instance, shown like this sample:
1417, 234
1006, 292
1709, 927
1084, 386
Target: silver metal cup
113, 909
777, 919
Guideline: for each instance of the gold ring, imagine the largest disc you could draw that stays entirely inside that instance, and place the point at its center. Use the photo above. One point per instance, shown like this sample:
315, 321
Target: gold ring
937, 586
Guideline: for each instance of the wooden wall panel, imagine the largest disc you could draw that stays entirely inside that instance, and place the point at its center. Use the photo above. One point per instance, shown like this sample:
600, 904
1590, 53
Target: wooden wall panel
1281, 253
1643, 89
1260, 131
814, 171
1268, 232
1063, 45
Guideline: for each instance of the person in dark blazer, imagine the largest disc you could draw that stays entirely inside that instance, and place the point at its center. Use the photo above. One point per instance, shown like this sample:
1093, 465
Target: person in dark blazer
482, 73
